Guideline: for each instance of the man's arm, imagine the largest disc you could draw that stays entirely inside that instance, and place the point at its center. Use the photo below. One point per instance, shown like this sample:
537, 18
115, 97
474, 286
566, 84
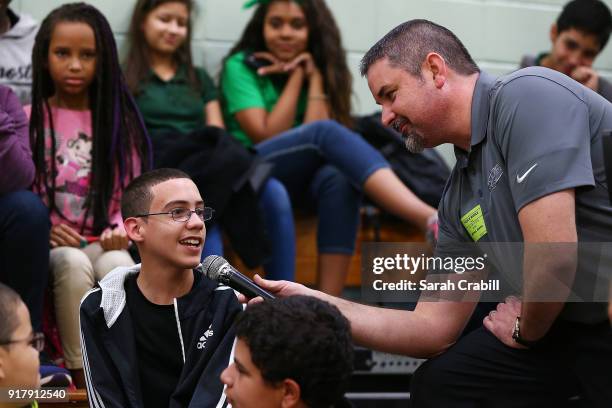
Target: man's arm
425, 332
542, 129
550, 219
548, 270
17, 167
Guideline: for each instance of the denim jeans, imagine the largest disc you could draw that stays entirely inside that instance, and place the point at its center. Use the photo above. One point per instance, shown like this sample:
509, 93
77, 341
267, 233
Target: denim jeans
213, 245
278, 219
323, 165
24, 249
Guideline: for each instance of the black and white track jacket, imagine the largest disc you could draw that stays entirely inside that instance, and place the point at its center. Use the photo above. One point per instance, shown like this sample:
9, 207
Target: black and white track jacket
109, 350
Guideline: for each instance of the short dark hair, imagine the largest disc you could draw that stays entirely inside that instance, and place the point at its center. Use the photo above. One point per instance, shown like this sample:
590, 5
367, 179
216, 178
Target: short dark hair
590, 16
407, 45
9, 321
137, 196
304, 339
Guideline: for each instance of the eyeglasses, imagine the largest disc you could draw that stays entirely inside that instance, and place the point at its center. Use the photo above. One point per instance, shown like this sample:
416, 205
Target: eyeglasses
184, 214
36, 340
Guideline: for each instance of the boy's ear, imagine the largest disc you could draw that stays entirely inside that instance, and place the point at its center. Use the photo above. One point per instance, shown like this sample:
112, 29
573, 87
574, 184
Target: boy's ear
2, 365
554, 33
135, 228
291, 393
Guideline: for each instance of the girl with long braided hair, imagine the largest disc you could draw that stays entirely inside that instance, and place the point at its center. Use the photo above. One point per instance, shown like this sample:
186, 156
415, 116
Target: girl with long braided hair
88, 142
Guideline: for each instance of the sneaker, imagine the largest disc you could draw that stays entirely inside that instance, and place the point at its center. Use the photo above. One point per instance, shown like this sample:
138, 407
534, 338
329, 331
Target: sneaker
51, 375
431, 233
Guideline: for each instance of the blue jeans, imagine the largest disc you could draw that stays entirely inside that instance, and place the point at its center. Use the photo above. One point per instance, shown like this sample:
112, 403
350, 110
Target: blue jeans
278, 218
24, 249
323, 165
213, 245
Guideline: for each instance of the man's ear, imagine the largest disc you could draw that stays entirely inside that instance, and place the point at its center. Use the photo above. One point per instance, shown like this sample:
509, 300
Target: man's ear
291, 393
436, 68
554, 33
135, 229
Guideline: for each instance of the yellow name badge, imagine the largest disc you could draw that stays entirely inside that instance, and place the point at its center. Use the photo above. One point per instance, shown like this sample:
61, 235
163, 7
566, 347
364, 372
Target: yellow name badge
474, 223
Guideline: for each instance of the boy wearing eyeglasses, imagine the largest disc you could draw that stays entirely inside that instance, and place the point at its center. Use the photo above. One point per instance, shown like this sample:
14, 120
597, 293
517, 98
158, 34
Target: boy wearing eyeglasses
19, 345
159, 334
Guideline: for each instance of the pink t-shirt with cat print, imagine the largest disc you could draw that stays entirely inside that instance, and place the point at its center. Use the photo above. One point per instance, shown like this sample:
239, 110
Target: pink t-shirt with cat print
73, 143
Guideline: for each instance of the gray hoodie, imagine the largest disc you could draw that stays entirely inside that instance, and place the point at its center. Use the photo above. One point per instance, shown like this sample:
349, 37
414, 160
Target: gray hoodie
16, 55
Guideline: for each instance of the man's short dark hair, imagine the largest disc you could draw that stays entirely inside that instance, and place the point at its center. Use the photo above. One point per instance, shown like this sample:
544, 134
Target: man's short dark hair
300, 338
9, 321
407, 45
137, 197
589, 16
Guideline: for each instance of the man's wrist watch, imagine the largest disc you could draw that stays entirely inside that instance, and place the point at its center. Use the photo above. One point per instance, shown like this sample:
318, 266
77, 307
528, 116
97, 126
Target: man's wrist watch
516, 334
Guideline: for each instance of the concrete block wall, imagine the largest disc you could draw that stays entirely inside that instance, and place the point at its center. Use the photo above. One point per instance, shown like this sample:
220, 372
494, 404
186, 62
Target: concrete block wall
496, 32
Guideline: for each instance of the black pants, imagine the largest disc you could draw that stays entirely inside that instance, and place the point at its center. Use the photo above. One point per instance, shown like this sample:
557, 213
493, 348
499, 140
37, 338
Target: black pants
24, 249
480, 371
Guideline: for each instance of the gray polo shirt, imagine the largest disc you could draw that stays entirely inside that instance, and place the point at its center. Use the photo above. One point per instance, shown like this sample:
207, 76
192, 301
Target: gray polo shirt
534, 132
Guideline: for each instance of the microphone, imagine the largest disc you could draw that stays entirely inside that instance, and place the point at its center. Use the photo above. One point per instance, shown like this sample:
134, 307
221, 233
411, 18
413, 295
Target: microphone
218, 269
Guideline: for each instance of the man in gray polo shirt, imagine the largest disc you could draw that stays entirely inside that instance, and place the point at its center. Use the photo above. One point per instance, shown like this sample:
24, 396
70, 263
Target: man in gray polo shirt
529, 169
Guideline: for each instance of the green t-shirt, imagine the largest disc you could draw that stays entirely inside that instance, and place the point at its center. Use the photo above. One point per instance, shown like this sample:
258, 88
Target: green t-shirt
174, 105
242, 89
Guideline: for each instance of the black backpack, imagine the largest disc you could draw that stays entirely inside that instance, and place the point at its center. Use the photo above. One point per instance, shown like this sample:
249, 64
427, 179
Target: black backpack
424, 173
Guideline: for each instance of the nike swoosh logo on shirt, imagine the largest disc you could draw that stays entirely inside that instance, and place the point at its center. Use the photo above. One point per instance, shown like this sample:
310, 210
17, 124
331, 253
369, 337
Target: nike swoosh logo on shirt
520, 179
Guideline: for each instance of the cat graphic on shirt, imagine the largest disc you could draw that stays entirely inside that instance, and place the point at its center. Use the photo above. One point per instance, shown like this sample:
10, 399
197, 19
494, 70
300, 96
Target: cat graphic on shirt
73, 163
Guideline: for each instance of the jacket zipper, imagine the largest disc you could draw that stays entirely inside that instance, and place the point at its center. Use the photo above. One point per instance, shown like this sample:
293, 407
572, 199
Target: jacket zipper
178, 325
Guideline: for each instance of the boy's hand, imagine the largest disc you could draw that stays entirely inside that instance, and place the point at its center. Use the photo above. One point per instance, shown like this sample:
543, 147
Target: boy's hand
63, 235
114, 239
587, 76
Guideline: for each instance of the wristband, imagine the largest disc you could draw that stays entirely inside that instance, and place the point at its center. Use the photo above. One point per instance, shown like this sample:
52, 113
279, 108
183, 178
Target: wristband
516, 334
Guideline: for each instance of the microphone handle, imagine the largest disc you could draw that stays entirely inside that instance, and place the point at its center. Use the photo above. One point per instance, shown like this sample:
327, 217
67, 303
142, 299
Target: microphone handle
246, 286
